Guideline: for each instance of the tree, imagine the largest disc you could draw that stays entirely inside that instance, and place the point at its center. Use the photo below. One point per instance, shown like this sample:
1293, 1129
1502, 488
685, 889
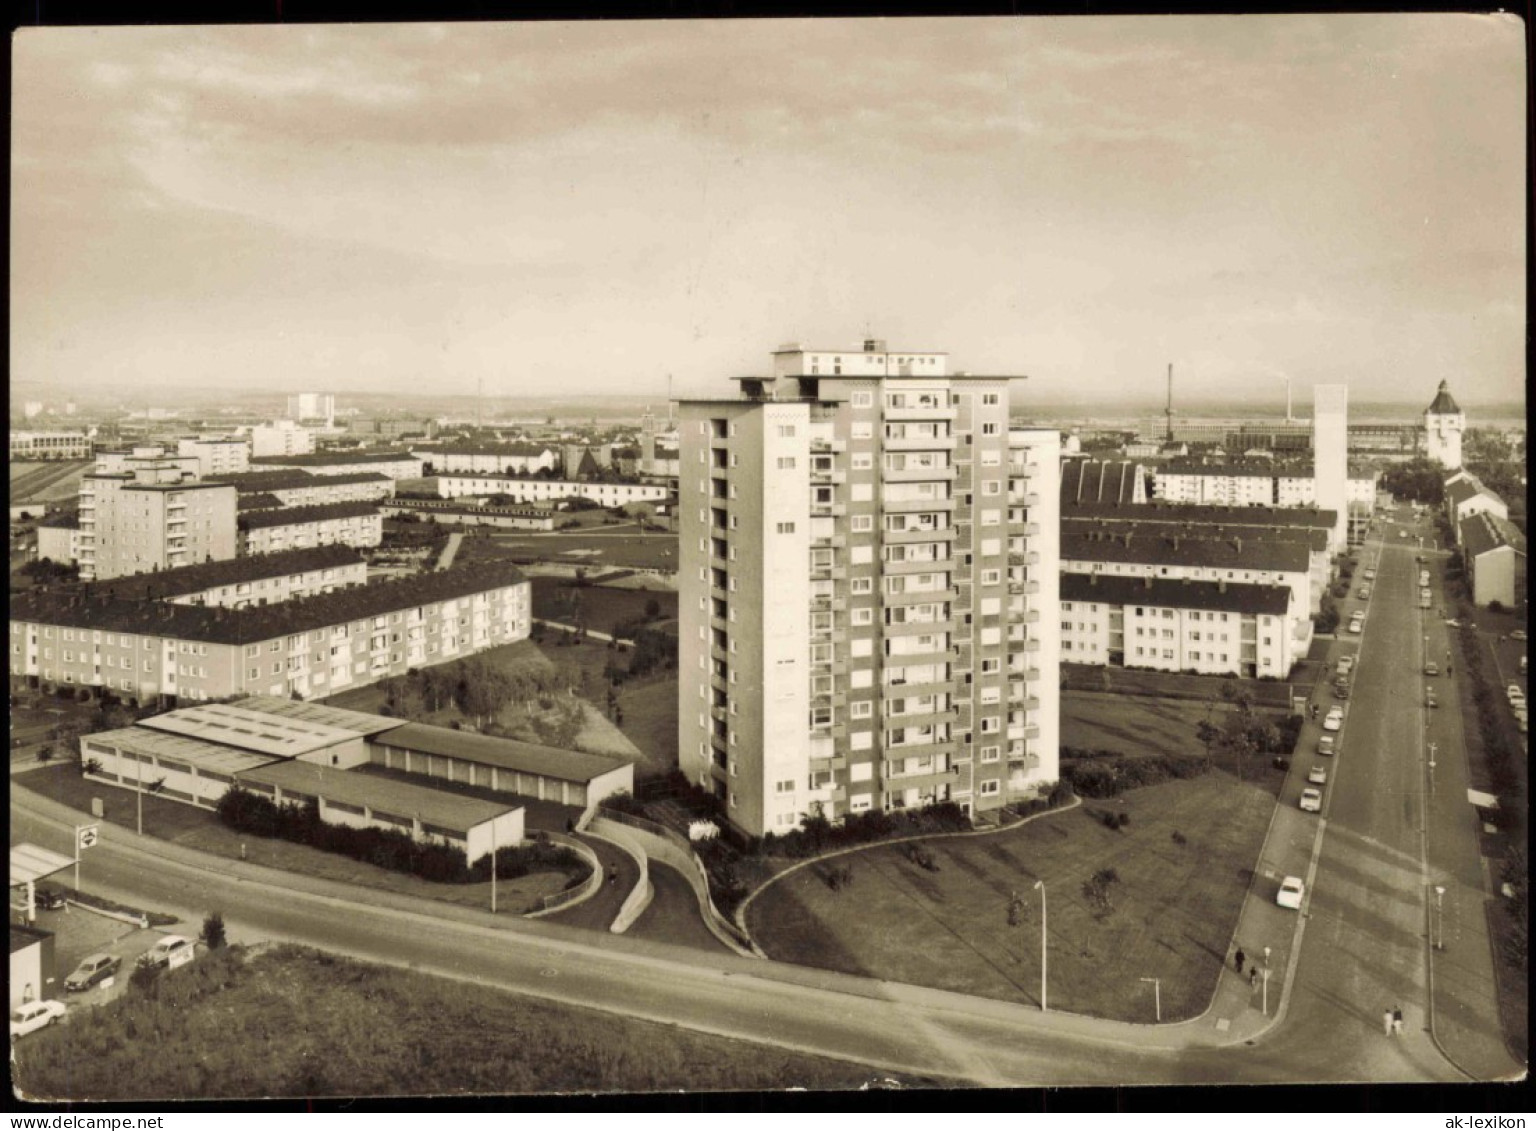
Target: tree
213, 931
1096, 889
45, 753
653, 609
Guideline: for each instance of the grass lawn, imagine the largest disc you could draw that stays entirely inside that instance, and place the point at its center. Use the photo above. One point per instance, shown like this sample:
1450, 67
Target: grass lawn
600, 608
1175, 907
649, 703
289, 1021
1172, 685
201, 829
1134, 725
623, 546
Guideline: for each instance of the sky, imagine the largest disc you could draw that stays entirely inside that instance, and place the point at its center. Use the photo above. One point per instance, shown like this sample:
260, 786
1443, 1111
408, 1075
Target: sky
594, 207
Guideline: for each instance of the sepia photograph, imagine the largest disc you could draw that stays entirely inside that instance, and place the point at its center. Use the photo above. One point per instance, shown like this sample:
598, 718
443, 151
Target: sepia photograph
761, 555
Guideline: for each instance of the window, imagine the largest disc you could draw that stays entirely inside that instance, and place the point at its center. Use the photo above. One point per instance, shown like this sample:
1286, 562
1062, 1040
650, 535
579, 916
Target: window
867, 616
991, 753
784, 787
863, 461
786, 430
863, 400
991, 725
862, 430
990, 788
863, 523
861, 586
989, 398
786, 528
989, 429
786, 463
862, 710
991, 576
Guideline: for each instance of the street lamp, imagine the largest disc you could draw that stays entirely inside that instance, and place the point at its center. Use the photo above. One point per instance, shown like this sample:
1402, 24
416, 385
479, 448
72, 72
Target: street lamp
1266, 981
1439, 940
1157, 996
1040, 884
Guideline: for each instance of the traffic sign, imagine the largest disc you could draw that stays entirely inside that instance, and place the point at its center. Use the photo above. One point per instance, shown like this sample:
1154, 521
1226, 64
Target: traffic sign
86, 836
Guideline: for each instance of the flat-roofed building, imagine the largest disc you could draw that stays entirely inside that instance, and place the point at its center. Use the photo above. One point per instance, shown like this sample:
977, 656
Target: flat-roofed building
1204, 627
355, 524
152, 519
26, 446
216, 455
58, 537
281, 438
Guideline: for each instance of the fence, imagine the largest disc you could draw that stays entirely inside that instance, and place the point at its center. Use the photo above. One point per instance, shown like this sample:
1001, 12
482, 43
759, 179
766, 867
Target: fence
672, 849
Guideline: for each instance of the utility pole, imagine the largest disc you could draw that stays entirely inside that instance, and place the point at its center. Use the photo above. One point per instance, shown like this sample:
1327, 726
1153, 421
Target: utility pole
1266, 981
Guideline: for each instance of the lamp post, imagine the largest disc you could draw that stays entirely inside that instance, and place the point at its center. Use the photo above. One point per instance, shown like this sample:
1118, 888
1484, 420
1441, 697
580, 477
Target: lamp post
1157, 996
1439, 937
1266, 981
1040, 884
493, 865
1432, 774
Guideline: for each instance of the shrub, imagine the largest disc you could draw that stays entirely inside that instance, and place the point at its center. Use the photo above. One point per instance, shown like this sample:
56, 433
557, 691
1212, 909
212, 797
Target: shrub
213, 931
1125, 819
1179, 838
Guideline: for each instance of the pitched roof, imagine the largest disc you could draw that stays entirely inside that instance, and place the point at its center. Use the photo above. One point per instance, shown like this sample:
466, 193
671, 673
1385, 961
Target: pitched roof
257, 501
1162, 511
1444, 404
1466, 487
470, 449
1165, 548
332, 459
1099, 481
506, 753
299, 516
1314, 538
283, 479
164, 584
1485, 532
1215, 596
66, 606
357, 721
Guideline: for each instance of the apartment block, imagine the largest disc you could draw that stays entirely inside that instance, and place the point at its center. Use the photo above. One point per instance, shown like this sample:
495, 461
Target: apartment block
145, 457
309, 648
391, 465
549, 490
865, 555
216, 455
281, 438
152, 519
489, 459
260, 580
293, 528
294, 488
319, 407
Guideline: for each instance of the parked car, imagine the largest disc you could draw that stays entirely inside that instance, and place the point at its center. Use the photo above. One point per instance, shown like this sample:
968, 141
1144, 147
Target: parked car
1452, 622
1514, 692
1347, 664
1312, 800
1356, 626
1518, 634
35, 1015
1334, 721
1429, 697
1291, 893
50, 899
1370, 574
1318, 775
1431, 668
1365, 592
168, 952
1327, 746
1341, 691
93, 969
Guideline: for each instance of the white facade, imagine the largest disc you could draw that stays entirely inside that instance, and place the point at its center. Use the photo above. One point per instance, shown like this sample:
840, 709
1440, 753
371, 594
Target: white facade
216, 455
471, 463
1164, 636
1330, 456
281, 438
549, 490
1444, 422
50, 445
864, 565
359, 530
312, 406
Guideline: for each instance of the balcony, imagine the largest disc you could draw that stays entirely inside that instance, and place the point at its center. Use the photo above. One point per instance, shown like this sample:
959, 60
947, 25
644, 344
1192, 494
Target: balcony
920, 412
821, 445
919, 443
932, 565
906, 506
917, 475
905, 537
828, 510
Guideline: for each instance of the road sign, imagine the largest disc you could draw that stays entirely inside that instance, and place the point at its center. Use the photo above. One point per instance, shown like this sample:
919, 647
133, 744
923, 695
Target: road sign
86, 836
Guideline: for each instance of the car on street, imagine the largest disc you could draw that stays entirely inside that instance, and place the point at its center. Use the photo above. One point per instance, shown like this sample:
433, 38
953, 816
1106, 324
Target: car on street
1365, 592
1431, 668
1514, 692
1452, 622
1312, 800
167, 952
1429, 697
1347, 664
1369, 575
1518, 634
1291, 892
1341, 691
35, 1015
1327, 746
1335, 720
1356, 627
1402, 533
93, 968
1318, 775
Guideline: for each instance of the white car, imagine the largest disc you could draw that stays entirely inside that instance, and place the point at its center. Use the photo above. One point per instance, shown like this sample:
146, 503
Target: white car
1346, 664
1370, 575
35, 1015
1514, 692
1334, 721
1312, 800
169, 952
1326, 746
1318, 775
1291, 893
1356, 626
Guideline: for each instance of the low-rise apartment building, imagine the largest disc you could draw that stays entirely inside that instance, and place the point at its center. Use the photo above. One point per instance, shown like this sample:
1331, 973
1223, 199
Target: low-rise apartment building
1494, 552
292, 528
1205, 627
471, 514
311, 647
58, 538
265, 579
1466, 496
489, 459
391, 465
281, 438
293, 488
550, 490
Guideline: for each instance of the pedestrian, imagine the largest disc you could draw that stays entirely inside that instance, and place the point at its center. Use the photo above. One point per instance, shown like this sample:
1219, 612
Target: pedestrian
1386, 1022
1253, 976
1397, 1021
1239, 958
613, 873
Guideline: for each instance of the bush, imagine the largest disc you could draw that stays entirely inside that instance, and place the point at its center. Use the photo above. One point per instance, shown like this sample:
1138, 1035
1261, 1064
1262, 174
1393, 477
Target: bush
1103, 778
213, 931
1125, 819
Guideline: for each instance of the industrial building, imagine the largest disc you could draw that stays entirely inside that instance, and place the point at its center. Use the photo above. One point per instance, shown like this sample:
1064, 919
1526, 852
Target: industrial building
866, 555
27, 446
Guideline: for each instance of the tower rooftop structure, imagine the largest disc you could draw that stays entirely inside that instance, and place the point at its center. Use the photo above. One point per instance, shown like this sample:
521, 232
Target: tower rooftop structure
1444, 404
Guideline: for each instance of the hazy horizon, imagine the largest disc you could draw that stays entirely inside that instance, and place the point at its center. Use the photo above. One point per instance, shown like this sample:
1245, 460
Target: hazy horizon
387, 208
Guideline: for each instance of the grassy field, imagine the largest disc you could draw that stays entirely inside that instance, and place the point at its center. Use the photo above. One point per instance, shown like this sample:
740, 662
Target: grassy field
1174, 908
294, 1022
600, 608
48, 480
1173, 685
201, 829
620, 546
649, 703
